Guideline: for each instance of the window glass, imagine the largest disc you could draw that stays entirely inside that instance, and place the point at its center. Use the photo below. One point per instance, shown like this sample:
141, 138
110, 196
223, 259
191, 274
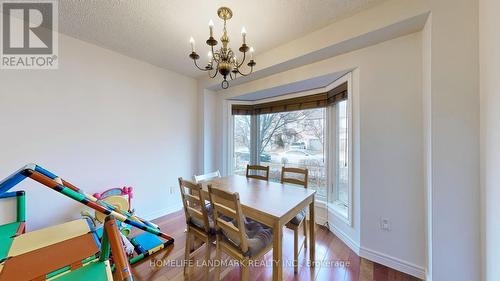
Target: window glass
241, 144
294, 139
342, 159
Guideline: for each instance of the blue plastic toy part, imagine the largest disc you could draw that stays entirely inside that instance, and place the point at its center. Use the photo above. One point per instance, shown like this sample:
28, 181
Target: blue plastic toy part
145, 242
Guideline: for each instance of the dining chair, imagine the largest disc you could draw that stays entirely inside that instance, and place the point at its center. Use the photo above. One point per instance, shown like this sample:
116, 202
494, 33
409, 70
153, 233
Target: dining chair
209, 176
198, 220
300, 177
242, 239
257, 169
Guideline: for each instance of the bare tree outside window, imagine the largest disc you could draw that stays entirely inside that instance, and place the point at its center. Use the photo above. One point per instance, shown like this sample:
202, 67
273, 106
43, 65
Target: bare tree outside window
292, 139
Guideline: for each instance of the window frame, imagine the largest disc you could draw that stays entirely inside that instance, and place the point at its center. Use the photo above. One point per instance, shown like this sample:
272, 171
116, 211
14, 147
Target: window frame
336, 207
337, 153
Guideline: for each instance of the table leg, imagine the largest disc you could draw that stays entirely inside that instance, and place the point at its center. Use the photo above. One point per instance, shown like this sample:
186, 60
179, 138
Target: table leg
277, 252
312, 235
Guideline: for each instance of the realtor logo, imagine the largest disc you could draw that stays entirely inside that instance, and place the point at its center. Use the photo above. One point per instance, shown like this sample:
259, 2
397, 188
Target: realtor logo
29, 35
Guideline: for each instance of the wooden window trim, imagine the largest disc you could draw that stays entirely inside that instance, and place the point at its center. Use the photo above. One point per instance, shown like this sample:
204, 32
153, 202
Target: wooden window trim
333, 96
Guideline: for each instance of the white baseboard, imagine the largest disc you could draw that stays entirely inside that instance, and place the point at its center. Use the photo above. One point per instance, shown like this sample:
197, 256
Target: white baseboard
392, 262
353, 245
321, 219
163, 212
369, 254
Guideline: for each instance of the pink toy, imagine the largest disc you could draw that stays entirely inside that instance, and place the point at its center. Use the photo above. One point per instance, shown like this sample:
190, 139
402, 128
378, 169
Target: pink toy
124, 191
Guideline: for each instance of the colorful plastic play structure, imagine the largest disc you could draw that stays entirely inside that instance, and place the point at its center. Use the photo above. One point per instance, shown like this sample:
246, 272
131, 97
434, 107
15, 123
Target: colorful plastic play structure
144, 244
69, 251
73, 250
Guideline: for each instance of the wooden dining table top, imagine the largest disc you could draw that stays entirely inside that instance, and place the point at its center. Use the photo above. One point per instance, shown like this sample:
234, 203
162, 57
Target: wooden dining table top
271, 198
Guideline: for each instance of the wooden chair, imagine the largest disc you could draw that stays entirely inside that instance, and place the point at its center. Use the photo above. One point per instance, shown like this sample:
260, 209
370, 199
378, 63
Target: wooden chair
198, 220
209, 176
258, 168
232, 235
300, 219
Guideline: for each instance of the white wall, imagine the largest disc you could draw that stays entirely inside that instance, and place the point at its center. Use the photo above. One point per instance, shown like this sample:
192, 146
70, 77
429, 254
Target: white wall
211, 127
489, 42
454, 133
392, 184
426, 138
101, 120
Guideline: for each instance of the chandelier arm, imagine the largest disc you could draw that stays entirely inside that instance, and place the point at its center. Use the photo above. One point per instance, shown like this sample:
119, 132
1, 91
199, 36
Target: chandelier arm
202, 69
213, 55
216, 72
242, 61
242, 74
217, 59
213, 76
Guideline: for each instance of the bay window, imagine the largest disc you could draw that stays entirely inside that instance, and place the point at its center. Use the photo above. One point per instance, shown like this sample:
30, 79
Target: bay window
309, 132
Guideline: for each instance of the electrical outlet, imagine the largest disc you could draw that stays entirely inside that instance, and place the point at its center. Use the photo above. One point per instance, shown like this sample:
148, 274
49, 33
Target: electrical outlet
385, 224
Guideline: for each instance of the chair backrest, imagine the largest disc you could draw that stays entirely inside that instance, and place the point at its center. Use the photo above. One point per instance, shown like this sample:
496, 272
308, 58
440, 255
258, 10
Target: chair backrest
209, 176
295, 180
194, 203
226, 204
258, 168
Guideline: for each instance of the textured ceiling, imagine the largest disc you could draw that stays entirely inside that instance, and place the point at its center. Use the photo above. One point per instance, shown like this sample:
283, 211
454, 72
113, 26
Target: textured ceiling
158, 31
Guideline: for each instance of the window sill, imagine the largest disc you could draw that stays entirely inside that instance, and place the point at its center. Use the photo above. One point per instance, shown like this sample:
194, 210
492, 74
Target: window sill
340, 211
337, 209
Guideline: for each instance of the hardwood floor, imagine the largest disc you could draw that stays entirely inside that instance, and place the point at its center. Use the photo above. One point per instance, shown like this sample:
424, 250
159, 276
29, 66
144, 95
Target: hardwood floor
337, 261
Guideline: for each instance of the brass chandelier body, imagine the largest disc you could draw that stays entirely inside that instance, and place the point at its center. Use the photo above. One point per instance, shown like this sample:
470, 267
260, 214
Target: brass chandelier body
224, 60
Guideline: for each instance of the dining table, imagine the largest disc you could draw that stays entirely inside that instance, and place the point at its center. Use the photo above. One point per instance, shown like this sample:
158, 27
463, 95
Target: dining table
272, 204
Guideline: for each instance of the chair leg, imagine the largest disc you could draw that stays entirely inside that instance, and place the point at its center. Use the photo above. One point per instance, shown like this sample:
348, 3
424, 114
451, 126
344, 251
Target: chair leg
207, 258
305, 233
218, 262
187, 253
295, 250
245, 272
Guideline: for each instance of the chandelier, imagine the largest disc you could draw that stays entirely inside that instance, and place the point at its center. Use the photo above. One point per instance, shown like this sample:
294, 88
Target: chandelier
224, 60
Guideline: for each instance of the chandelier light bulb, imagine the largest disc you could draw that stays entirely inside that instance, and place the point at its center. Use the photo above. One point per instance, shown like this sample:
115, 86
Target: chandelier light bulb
244, 34
191, 41
252, 50
211, 27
